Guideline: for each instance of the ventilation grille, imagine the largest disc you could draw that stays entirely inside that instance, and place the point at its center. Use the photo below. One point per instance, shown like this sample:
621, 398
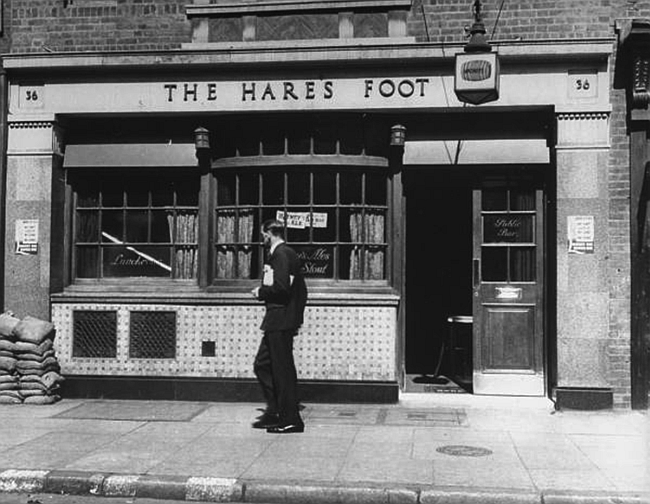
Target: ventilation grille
94, 334
153, 335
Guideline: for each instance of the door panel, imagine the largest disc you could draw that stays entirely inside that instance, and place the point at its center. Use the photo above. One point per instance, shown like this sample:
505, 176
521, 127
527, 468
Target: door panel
508, 290
509, 329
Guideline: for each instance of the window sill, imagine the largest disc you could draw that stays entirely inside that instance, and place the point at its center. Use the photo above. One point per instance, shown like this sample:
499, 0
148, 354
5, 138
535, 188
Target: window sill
184, 294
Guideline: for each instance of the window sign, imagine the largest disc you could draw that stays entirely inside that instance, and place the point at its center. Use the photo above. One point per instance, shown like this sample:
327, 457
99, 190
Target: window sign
317, 262
508, 228
301, 220
580, 230
27, 237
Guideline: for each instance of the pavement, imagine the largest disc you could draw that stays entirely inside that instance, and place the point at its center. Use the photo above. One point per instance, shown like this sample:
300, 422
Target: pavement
426, 449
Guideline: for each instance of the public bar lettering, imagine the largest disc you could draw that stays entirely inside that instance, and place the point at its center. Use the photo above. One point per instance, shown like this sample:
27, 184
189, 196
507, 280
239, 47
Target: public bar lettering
507, 229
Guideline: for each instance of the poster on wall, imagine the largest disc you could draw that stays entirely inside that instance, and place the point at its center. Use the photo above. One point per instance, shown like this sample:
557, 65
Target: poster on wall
581, 232
27, 237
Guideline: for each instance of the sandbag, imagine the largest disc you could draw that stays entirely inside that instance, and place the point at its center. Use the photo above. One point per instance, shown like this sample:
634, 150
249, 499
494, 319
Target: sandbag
22, 365
51, 378
7, 345
26, 347
41, 371
8, 379
10, 400
31, 393
33, 330
8, 364
7, 324
7, 353
46, 399
10, 393
8, 386
34, 357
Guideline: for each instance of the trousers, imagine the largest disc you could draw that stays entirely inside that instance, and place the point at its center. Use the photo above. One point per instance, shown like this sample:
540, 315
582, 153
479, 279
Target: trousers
275, 370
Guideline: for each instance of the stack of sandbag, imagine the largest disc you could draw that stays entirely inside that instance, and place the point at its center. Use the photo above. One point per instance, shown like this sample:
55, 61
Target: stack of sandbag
9, 383
36, 364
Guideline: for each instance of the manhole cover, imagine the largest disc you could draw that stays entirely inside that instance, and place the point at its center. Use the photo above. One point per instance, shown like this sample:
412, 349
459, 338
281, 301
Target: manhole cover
464, 451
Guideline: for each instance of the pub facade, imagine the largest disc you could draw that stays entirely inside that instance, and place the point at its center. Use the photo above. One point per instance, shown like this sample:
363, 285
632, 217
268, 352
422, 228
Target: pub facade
449, 246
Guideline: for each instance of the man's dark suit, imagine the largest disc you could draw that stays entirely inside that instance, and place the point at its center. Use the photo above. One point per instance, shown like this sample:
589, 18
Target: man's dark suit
285, 301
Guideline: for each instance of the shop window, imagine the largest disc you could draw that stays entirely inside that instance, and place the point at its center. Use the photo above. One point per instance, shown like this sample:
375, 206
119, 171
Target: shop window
335, 219
135, 223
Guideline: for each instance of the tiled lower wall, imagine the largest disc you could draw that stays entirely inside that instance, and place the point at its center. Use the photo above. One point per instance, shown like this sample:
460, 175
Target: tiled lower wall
335, 343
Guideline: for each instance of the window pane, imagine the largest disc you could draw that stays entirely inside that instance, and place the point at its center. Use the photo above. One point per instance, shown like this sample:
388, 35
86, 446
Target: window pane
225, 190
508, 228
248, 189
494, 199
273, 141
161, 227
88, 195
86, 262
112, 226
522, 264
137, 195
324, 224
298, 187
325, 138
137, 226
273, 188
350, 188
375, 189
494, 264
163, 193
112, 193
140, 261
299, 139
187, 189
522, 200
325, 188
87, 226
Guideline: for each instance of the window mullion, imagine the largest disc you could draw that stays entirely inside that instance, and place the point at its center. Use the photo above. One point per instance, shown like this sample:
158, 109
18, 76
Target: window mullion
337, 225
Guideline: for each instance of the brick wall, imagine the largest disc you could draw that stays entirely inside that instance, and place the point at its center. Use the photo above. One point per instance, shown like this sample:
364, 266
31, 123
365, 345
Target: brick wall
97, 25
127, 25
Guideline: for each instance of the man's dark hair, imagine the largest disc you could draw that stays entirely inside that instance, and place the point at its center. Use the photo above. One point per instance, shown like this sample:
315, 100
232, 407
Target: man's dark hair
273, 226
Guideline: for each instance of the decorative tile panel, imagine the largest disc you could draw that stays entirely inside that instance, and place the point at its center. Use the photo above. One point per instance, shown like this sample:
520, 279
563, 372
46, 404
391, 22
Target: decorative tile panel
335, 342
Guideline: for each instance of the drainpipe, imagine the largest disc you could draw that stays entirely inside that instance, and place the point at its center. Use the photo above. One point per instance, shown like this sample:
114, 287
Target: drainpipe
3, 176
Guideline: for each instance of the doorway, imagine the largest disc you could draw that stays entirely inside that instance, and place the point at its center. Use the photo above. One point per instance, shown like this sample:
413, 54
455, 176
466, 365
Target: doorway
474, 280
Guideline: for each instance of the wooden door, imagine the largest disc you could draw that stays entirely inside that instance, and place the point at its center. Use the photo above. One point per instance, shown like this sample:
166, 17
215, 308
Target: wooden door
508, 287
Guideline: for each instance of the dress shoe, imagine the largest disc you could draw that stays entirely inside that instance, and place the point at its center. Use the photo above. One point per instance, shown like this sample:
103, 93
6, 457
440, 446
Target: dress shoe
286, 429
266, 421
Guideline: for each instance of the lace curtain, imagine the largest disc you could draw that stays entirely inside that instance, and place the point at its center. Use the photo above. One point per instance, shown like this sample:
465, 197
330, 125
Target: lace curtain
372, 258
186, 231
234, 261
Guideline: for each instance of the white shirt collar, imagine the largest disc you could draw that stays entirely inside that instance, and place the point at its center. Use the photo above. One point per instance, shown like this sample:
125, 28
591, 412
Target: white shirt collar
275, 245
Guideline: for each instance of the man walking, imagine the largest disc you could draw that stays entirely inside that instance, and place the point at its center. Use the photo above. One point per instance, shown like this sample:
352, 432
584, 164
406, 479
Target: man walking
284, 293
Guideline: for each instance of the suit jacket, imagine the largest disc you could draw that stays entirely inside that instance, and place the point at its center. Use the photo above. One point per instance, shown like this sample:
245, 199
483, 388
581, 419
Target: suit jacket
285, 299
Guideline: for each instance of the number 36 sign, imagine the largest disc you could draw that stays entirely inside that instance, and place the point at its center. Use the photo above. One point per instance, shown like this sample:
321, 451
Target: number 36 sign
32, 97
583, 84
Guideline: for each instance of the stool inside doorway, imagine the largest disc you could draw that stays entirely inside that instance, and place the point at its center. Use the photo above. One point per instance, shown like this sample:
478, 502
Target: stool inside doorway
459, 347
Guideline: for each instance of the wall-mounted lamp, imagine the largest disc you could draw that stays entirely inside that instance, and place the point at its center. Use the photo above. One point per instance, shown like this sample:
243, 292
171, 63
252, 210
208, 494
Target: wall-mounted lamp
476, 77
397, 135
201, 140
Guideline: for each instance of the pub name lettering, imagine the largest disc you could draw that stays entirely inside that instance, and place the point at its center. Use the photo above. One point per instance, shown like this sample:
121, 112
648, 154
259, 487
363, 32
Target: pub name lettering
297, 90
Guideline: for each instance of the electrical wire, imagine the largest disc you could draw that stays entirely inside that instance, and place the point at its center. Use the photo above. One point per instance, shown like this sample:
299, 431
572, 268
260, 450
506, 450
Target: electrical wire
496, 22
